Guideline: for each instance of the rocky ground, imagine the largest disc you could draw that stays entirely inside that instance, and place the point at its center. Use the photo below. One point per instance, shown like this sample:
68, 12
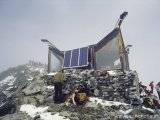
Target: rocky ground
109, 93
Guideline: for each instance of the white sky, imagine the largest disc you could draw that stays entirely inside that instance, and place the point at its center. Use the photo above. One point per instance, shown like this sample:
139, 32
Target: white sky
71, 24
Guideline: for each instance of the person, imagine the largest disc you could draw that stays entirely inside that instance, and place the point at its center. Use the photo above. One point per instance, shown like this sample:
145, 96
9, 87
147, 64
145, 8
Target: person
78, 96
155, 99
81, 96
148, 102
84, 89
151, 86
71, 97
157, 87
58, 82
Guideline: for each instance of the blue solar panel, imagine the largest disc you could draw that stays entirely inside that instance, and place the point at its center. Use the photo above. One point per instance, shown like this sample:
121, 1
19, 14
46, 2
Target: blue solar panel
83, 59
75, 58
67, 58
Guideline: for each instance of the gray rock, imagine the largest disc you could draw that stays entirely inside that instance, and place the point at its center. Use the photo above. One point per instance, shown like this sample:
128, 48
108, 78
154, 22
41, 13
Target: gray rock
40, 98
74, 114
87, 117
16, 116
36, 117
34, 87
65, 114
91, 105
30, 100
74, 118
96, 92
55, 108
111, 114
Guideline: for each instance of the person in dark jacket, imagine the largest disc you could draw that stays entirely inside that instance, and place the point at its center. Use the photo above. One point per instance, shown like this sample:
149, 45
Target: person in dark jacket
84, 89
58, 82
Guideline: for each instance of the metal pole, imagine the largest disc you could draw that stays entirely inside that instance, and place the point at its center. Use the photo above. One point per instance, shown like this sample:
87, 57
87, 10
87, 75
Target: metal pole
49, 60
127, 59
127, 56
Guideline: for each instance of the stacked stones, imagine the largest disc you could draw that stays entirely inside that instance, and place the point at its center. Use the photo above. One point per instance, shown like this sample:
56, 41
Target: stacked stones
109, 85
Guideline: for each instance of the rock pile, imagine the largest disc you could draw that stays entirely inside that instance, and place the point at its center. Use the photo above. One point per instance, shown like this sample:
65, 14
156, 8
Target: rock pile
109, 85
35, 93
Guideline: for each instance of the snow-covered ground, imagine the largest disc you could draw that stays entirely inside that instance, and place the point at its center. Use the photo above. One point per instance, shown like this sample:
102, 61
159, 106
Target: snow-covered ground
105, 102
19, 75
40, 69
42, 111
44, 115
8, 80
50, 87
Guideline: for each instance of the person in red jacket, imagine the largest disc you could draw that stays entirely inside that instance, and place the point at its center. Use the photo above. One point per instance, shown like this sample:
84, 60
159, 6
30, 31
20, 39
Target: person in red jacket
151, 86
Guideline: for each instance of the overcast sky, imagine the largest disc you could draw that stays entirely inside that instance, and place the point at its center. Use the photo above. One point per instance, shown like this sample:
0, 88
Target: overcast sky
72, 24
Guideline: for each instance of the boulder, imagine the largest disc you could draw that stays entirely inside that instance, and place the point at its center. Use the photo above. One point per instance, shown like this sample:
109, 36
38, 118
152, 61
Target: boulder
91, 105
65, 114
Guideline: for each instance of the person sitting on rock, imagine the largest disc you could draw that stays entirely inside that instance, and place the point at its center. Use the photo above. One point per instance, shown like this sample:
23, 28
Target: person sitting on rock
84, 89
81, 96
148, 102
71, 97
155, 99
77, 96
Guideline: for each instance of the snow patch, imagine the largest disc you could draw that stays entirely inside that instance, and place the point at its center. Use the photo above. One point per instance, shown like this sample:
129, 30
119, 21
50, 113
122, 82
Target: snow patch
31, 78
42, 111
126, 112
8, 80
112, 73
50, 87
32, 110
149, 109
105, 102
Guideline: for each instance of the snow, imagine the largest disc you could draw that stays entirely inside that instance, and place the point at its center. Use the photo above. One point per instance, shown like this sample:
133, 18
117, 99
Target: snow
105, 102
8, 80
44, 115
112, 73
40, 69
32, 110
149, 109
50, 87
31, 78
126, 112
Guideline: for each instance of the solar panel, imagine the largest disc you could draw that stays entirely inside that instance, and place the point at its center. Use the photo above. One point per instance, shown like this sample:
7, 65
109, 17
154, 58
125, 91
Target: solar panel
67, 59
83, 59
75, 58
